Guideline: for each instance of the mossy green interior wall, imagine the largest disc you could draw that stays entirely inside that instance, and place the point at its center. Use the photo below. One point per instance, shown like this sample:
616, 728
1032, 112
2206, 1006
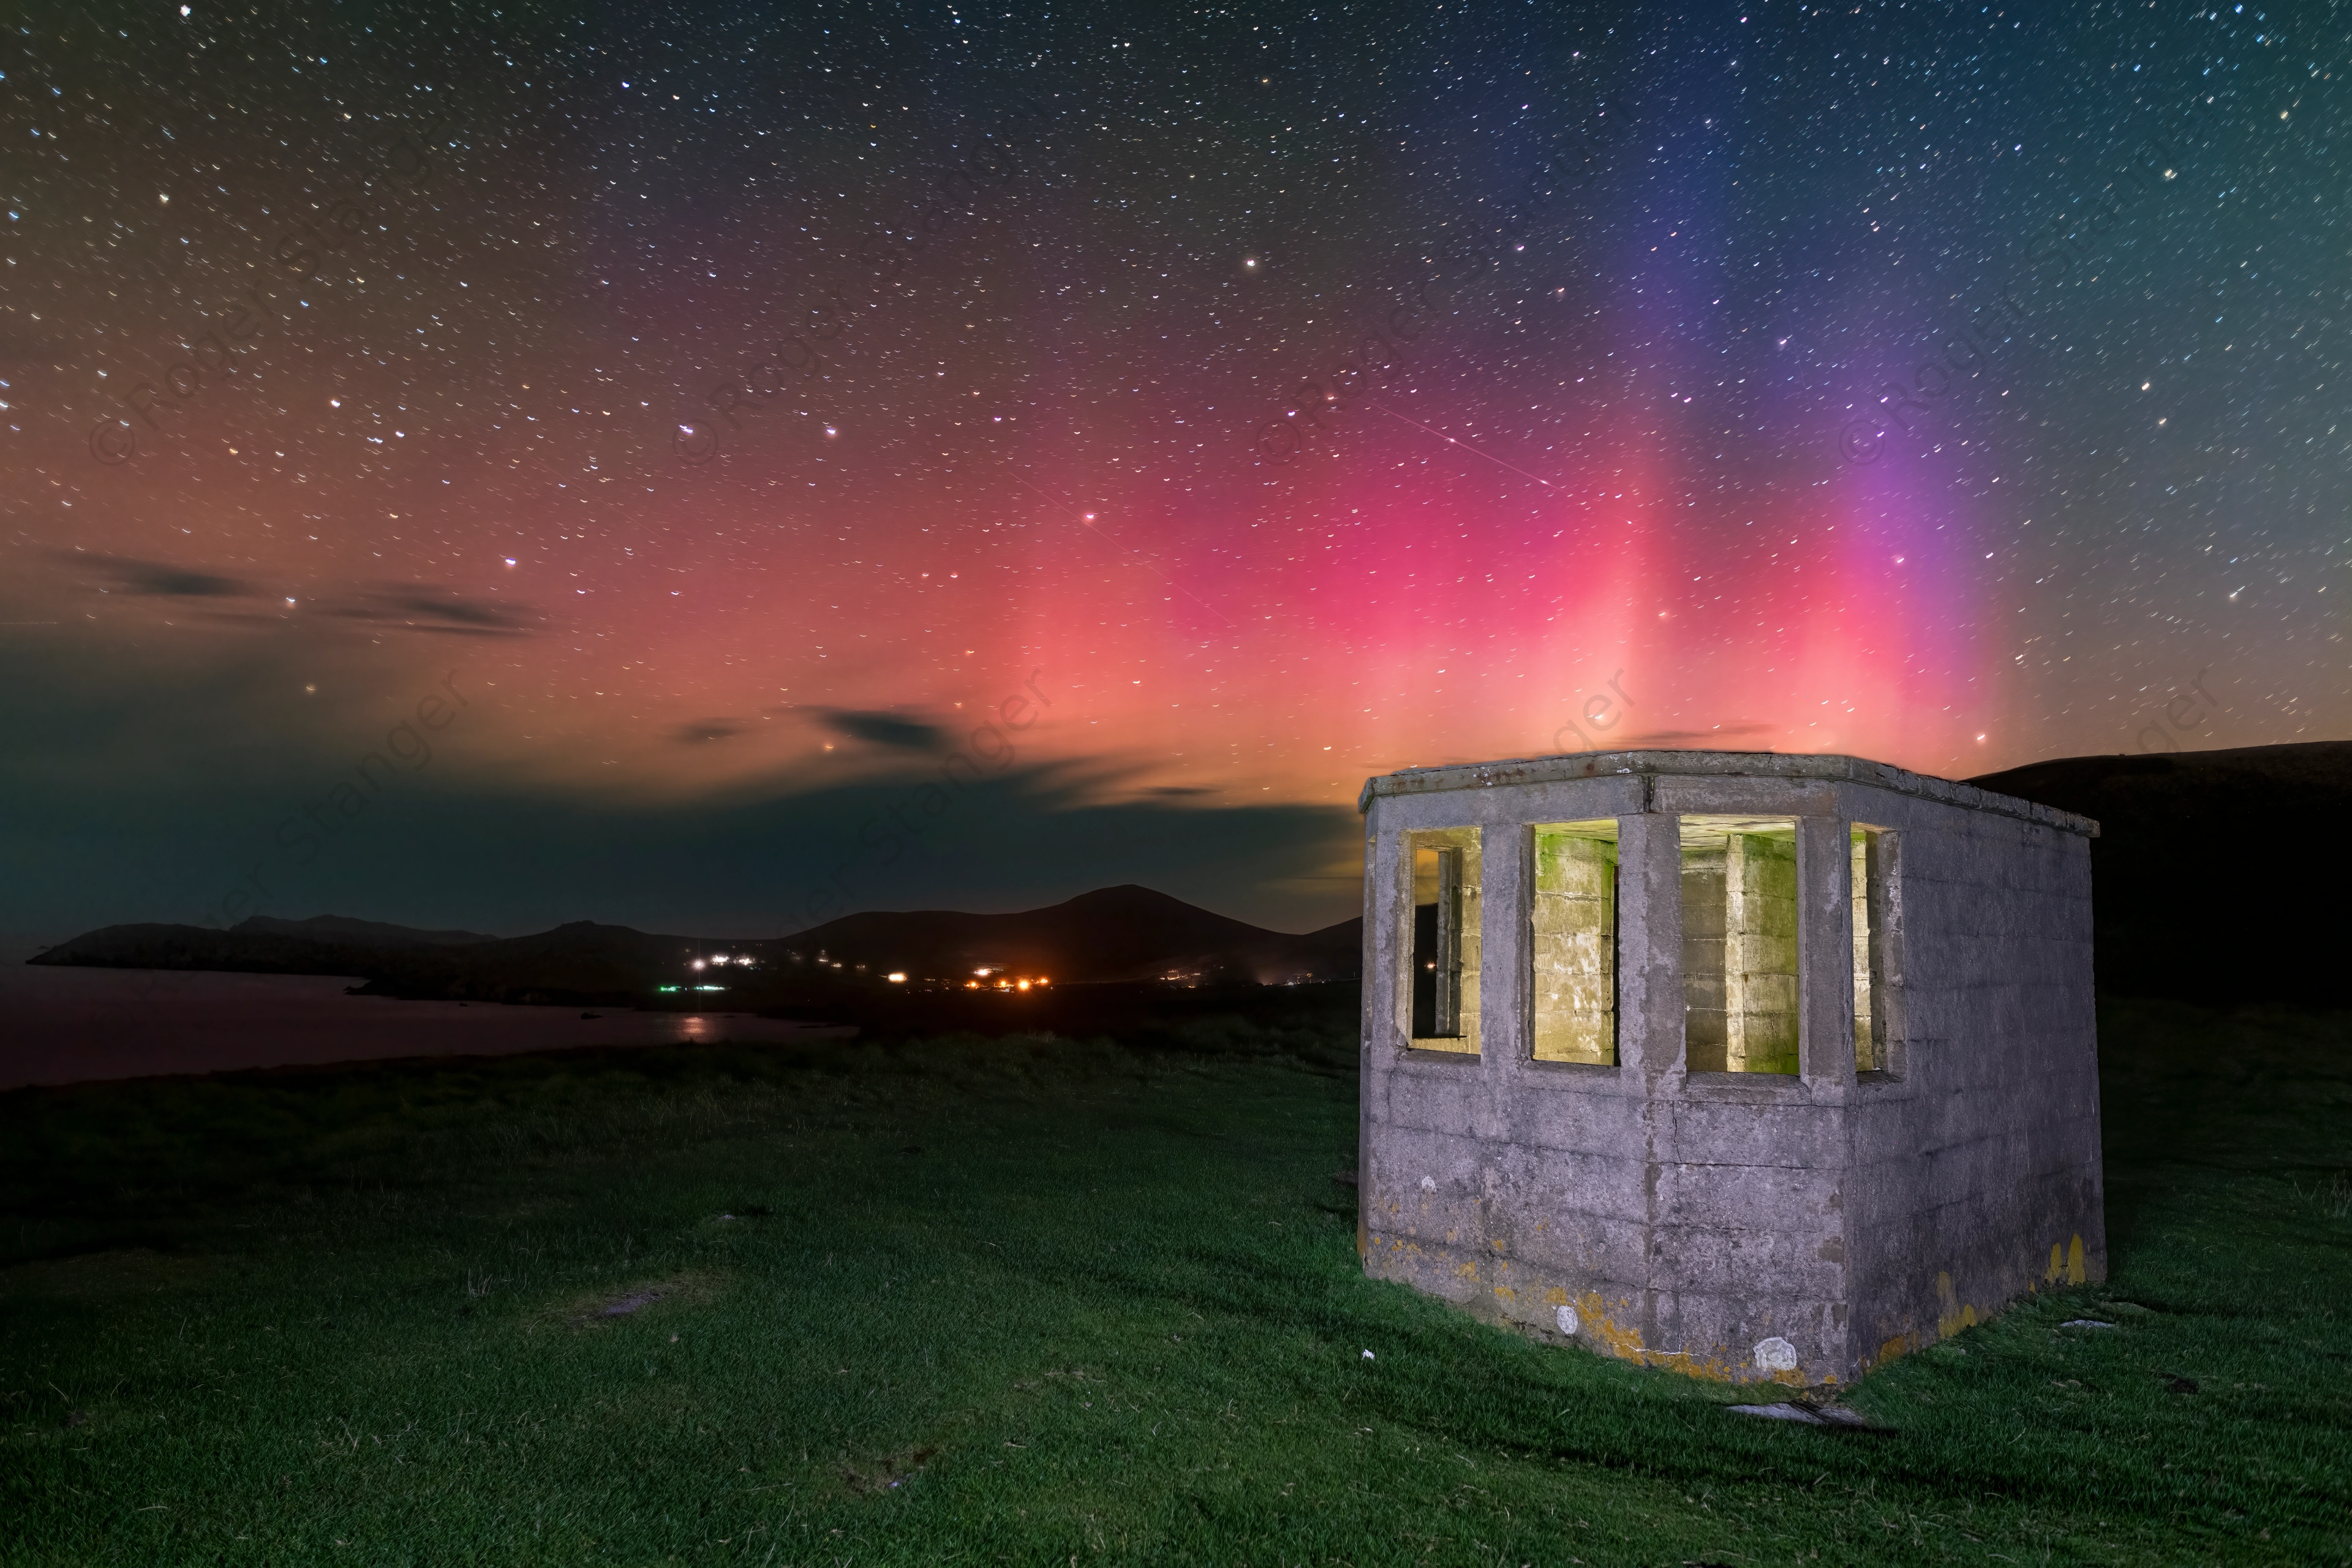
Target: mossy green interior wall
1867, 1027
1572, 920
1739, 945
1702, 967
1759, 958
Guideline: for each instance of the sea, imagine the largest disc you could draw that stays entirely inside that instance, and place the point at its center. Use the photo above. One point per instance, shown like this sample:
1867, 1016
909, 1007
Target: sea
69, 1024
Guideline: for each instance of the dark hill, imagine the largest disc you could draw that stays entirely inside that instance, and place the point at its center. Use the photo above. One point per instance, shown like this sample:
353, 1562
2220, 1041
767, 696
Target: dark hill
2217, 875
581, 961
1115, 934
350, 933
1126, 933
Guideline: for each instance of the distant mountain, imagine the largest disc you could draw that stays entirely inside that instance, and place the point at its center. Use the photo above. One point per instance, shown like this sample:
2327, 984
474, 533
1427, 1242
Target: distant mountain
350, 933
1127, 933
572, 963
1117, 933
2218, 876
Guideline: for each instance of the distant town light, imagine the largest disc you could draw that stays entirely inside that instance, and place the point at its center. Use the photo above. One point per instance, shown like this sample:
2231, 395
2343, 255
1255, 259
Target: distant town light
698, 963
898, 978
1024, 986
710, 988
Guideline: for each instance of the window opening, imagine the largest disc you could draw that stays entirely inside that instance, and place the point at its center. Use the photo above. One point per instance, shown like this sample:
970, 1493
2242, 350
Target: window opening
1739, 943
1445, 940
1873, 1002
1572, 920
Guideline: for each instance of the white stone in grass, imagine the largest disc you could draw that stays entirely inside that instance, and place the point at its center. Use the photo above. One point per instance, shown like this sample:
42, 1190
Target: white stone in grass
1566, 1318
1778, 1413
2085, 1323
1804, 1415
1367, 1355
1776, 1354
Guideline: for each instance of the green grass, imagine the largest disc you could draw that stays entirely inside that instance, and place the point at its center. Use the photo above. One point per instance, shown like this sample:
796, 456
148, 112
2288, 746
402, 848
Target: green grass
1041, 1301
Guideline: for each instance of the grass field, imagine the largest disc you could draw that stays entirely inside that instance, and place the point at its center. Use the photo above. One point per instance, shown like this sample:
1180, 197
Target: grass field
1029, 1301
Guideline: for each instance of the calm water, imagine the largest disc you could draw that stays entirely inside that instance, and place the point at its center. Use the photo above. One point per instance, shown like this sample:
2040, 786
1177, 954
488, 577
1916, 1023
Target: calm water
68, 1025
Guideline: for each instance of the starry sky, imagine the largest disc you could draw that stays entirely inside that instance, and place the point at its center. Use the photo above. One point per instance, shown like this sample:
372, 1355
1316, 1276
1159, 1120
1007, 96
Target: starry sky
730, 466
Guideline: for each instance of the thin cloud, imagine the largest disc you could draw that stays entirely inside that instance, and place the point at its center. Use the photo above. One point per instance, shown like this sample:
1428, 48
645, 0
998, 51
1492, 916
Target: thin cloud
888, 730
161, 579
421, 609
1685, 737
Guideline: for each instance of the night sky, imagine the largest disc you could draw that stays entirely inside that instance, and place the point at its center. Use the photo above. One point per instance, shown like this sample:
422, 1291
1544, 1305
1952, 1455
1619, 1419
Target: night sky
739, 465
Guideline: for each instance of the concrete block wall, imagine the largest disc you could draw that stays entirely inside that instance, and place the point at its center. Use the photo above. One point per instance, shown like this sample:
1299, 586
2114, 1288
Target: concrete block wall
1798, 1226
1981, 1155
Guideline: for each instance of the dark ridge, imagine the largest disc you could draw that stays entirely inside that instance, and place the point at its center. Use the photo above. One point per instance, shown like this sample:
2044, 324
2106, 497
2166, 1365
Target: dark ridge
2214, 873
1126, 933
1116, 934
357, 933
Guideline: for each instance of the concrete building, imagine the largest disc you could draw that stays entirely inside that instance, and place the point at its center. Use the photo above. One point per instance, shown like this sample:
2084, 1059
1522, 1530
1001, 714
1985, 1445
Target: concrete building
1748, 1065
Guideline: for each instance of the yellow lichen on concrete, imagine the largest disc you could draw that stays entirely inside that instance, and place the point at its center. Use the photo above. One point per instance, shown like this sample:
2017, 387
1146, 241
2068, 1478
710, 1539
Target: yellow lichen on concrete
1956, 1314
2066, 1264
1625, 1344
1901, 1344
1605, 1333
1713, 1369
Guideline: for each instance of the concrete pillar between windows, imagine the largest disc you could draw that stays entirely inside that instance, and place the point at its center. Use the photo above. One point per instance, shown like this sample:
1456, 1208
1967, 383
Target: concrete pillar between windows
1825, 949
1503, 999
1649, 945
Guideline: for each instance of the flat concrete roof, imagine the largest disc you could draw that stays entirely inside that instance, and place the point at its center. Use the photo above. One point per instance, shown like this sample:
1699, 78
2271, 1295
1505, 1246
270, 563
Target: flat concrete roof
1716, 764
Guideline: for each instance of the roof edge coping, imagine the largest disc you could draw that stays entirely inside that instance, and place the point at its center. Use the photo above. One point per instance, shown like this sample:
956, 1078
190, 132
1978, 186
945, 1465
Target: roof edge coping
1573, 765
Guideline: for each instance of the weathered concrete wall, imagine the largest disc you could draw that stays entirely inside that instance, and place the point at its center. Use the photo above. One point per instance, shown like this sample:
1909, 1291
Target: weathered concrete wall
1797, 1226
1976, 1166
